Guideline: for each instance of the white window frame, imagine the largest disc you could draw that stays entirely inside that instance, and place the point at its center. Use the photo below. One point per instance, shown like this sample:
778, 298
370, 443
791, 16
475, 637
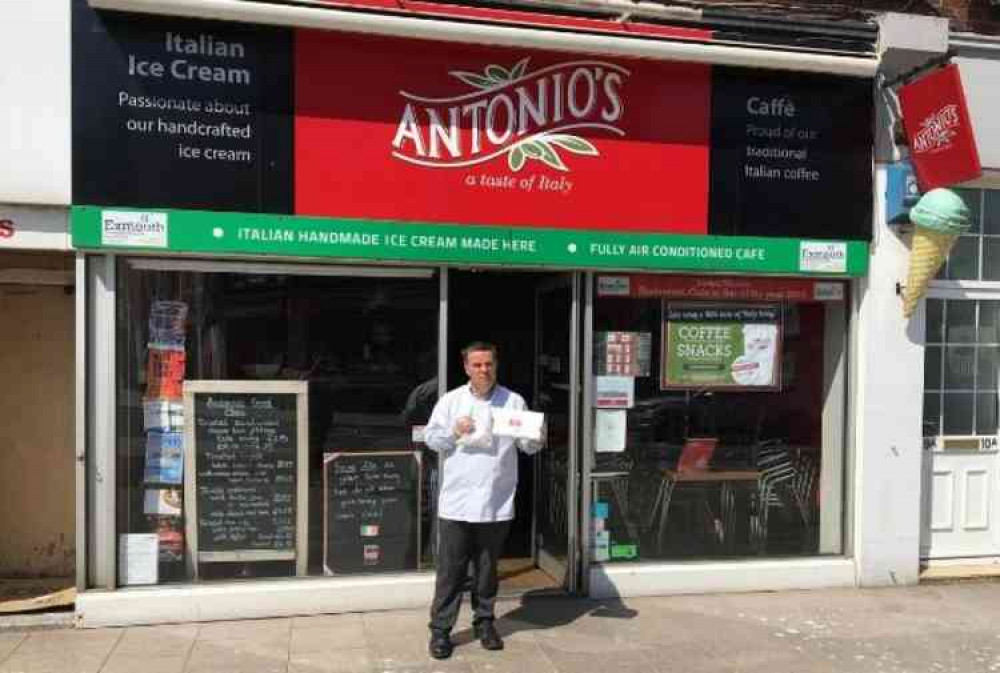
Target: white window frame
972, 290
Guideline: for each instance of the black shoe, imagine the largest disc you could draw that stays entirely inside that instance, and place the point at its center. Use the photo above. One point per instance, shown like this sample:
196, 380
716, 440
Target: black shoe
440, 646
487, 635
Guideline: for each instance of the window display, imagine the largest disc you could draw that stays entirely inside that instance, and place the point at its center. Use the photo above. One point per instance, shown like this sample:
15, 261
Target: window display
222, 484
716, 417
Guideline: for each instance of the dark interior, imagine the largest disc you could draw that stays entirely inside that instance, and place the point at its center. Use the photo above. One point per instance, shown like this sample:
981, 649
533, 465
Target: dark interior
500, 308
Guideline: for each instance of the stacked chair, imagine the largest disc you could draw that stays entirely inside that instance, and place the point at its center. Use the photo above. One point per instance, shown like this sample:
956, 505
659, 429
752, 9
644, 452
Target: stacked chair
787, 482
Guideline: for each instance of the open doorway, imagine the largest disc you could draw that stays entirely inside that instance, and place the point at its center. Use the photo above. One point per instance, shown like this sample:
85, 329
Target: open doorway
527, 316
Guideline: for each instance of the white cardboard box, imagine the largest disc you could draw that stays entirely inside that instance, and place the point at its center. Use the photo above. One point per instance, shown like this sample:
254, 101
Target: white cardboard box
518, 424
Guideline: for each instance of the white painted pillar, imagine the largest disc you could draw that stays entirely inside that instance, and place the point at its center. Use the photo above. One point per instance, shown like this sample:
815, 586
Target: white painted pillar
888, 406
888, 366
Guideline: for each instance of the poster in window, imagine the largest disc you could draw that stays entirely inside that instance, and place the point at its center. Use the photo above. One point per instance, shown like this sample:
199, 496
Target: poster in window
164, 457
721, 346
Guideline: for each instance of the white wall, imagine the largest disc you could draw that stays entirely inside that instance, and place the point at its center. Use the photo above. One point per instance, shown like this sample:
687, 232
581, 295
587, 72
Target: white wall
35, 101
979, 64
888, 371
33, 227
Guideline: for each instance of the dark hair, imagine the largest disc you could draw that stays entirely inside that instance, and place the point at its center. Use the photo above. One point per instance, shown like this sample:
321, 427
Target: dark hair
479, 346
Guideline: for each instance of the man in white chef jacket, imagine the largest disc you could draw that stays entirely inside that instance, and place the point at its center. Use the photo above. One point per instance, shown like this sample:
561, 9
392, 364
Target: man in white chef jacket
476, 501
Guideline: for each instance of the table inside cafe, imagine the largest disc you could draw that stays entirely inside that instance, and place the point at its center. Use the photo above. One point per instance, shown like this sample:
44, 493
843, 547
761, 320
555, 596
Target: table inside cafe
723, 482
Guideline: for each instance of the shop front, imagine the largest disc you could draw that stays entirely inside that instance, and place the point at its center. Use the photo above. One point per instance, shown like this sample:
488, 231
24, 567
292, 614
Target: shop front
36, 365
290, 233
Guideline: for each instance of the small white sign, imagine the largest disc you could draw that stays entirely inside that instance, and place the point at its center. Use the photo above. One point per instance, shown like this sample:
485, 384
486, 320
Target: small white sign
612, 286
823, 256
609, 430
133, 230
614, 392
417, 434
138, 558
828, 292
601, 545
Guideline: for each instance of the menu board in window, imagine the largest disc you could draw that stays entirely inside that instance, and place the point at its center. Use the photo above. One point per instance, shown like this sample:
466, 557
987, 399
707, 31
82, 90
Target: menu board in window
372, 511
245, 493
721, 346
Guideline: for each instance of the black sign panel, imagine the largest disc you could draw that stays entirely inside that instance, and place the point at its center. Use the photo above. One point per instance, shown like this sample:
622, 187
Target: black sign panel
791, 155
372, 511
181, 113
245, 467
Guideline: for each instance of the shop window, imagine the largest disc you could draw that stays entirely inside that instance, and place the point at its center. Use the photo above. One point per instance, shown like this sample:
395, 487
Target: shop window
363, 349
961, 367
717, 423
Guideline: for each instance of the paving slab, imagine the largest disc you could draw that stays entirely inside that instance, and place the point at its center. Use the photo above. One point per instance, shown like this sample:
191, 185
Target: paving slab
265, 648
342, 661
507, 662
151, 664
9, 643
449, 666
171, 640
346, 621
216, 660
397, 622
401, 651
251, 629
70, 661
70, 641
327, 634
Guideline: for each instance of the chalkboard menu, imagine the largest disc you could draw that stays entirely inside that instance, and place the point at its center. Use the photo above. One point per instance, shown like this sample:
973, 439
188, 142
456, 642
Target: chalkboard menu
245, 496
372, 511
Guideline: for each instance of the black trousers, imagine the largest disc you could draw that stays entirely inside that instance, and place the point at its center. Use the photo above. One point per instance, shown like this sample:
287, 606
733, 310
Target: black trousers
461, 543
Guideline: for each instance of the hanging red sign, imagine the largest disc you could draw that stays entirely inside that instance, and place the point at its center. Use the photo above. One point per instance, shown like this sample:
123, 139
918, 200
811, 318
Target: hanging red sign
939, 130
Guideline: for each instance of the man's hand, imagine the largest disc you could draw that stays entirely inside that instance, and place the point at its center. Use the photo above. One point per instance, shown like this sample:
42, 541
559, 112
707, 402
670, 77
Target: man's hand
464, 426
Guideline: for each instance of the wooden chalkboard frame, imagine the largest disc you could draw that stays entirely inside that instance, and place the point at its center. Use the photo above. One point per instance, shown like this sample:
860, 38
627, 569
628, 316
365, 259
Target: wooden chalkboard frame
331, 456
301, 554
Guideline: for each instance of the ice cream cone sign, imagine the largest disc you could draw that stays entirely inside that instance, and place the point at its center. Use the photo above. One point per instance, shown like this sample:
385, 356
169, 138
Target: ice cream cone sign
939, 218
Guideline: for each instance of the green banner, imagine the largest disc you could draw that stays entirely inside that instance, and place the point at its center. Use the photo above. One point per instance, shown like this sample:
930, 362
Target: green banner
187, 231
723, 346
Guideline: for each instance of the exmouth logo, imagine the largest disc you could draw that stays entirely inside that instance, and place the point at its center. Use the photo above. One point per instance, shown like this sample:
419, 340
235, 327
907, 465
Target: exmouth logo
513, 112
823, 256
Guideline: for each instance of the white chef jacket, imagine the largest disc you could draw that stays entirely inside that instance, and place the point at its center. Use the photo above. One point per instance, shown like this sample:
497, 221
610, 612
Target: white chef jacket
476, 485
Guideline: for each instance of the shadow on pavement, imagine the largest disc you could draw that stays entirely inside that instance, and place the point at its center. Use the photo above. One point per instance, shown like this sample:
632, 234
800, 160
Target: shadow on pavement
541, 610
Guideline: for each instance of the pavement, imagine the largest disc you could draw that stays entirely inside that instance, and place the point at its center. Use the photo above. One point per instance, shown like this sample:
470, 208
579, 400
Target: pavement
937, 628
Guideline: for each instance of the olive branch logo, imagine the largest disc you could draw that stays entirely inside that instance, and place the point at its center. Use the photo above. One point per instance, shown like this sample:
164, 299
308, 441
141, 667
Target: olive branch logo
541, 147
494, 76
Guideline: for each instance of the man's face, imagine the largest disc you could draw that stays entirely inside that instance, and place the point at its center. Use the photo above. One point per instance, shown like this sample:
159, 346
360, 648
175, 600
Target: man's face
481, 369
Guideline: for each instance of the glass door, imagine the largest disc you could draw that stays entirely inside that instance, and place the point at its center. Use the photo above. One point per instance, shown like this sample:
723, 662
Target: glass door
961, 440
961, 467
557, 392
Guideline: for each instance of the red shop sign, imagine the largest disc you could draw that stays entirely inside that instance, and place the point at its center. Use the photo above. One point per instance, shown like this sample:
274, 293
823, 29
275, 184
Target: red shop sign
466, 133
939, 130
